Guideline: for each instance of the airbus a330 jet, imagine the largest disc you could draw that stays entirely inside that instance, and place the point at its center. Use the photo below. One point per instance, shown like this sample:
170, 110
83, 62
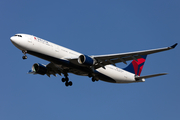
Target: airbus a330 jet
97, 67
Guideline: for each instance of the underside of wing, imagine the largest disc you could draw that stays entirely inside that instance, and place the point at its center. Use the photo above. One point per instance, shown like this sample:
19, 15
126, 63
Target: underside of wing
53, 69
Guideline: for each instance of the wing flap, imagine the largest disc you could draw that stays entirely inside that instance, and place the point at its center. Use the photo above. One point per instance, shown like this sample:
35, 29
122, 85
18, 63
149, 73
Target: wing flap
54, 69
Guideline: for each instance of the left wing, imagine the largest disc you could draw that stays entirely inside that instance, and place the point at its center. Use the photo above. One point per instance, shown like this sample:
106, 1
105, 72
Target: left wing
53, 69
49, 69
103, 60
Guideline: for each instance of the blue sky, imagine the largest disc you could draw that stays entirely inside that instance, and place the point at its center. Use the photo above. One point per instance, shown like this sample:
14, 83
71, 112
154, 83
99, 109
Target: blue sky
92, 27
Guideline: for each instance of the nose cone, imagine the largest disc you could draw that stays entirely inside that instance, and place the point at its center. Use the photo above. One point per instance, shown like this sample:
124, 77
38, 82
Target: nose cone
12, 39
19, 41
15, 41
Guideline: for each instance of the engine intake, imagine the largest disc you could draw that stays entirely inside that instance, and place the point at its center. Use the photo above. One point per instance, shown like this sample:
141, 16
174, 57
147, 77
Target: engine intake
86, 60
39, 68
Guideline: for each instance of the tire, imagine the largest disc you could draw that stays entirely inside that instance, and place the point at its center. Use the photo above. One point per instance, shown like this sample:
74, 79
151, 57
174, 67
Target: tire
24, 57
93, 79
70, 83
63, 79
67, 84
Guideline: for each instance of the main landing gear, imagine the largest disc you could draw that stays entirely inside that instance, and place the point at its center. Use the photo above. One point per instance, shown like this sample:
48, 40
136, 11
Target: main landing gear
24, 57
66, 80
93, 77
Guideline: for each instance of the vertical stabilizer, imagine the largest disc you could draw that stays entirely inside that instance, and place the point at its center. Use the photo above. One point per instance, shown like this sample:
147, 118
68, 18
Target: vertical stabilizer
136, 66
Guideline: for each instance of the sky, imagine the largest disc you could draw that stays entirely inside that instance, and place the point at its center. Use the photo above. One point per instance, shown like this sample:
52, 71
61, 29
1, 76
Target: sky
92, 27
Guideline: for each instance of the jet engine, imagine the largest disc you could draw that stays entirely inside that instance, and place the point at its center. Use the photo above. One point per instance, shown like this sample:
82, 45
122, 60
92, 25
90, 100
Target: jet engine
86, 60
39, 68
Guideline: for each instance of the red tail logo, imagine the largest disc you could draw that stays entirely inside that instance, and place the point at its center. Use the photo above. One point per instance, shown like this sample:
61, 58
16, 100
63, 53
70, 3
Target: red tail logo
136, 66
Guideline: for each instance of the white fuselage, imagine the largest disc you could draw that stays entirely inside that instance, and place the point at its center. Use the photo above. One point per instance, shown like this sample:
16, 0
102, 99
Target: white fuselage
46, 48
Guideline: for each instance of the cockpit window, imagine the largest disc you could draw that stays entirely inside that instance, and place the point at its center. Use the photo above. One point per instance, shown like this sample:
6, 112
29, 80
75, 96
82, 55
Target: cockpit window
18, 35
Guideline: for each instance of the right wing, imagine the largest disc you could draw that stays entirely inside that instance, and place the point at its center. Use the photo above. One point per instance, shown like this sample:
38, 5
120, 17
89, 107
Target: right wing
103, 60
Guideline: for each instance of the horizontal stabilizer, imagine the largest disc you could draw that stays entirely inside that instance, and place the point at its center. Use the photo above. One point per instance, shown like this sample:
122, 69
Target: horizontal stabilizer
149, 76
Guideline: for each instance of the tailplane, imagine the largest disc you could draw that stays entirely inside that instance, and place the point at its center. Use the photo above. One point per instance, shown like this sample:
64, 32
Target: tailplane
136, 66
149, 76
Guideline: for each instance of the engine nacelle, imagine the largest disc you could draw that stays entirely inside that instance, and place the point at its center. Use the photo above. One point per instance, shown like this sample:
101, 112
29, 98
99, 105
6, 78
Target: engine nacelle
39, 68
86, 60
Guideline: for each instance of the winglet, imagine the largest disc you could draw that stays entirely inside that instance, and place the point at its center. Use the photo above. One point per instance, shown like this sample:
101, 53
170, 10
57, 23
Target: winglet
173, 46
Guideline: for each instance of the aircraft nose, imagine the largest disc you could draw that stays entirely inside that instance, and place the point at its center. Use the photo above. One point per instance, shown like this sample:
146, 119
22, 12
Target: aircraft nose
14, 40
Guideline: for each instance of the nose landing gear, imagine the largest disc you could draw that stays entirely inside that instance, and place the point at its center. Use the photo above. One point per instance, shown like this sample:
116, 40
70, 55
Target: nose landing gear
24, 57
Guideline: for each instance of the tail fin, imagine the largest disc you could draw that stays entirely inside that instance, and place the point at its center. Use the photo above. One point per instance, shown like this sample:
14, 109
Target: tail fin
136, 66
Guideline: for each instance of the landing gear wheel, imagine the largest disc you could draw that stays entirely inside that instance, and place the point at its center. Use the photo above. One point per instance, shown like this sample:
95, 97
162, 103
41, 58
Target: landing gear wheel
24, 57
63, 79
93, 79
67, 84
66, 80
70, 83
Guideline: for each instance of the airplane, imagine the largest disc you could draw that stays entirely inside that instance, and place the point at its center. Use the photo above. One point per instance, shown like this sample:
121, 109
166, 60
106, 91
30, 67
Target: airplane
97, 67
